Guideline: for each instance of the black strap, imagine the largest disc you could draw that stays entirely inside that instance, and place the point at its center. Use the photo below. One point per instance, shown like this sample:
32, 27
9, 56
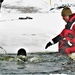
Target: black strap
69, 24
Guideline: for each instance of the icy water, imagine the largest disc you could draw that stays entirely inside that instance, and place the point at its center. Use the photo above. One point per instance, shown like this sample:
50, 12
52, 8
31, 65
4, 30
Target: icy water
37, 64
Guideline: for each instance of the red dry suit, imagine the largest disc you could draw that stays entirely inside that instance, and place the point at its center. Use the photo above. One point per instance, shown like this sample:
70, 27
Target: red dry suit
66, 38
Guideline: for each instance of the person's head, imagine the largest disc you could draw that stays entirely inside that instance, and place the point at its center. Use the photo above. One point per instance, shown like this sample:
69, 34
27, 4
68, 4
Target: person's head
21, 51
66, 11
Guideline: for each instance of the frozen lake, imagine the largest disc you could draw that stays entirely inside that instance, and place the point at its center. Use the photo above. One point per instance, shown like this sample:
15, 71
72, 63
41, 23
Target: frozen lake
31, 34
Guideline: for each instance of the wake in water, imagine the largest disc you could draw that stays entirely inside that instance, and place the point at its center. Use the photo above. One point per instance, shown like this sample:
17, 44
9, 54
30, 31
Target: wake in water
37, 63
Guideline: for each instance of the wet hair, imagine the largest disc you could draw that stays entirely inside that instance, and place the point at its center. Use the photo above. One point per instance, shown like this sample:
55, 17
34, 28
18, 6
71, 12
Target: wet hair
21, 51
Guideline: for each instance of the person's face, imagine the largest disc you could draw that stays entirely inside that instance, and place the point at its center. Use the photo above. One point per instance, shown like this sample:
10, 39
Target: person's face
65, 18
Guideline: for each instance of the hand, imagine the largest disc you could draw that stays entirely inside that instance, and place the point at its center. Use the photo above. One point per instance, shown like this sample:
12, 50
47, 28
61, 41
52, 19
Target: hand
48, 44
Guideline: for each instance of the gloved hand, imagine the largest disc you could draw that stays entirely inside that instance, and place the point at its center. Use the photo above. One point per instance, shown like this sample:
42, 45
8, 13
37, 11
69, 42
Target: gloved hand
48, 44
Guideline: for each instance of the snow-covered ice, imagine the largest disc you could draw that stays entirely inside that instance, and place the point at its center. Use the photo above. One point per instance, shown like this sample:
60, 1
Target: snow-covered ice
31, 34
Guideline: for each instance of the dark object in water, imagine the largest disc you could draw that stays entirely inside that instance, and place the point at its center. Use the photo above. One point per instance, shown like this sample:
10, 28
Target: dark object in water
22, 18
21, 51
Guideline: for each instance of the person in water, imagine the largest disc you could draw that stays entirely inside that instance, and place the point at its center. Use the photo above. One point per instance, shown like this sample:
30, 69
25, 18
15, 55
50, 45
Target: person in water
21, 54
21, 51
66, 38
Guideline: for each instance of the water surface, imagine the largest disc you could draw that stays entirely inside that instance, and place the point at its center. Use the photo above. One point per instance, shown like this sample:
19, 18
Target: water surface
37, 64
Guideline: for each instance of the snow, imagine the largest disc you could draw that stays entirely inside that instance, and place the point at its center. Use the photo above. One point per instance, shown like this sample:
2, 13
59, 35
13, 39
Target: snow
31, 34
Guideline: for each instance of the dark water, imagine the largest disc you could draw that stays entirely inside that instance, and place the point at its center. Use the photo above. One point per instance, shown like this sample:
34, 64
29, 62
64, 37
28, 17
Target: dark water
37, 64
